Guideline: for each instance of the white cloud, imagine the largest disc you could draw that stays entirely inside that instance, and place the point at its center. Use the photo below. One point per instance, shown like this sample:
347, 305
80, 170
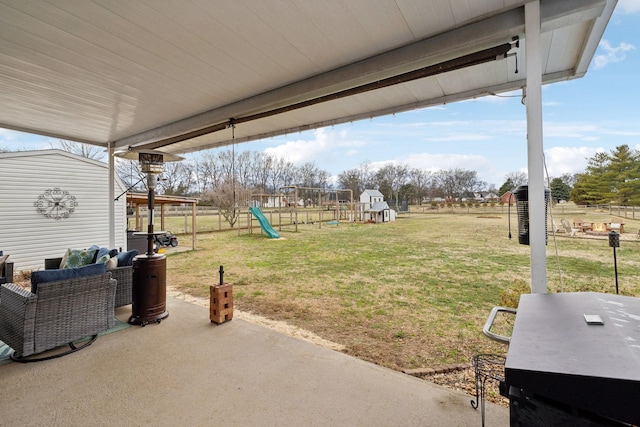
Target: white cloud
609, 54
459, 137
7, 135
561, 160
19, 141
628, 6
444, 161
584, 131
324, 143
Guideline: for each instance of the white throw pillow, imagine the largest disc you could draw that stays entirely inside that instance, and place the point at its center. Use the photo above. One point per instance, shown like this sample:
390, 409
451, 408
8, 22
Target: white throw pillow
112, 263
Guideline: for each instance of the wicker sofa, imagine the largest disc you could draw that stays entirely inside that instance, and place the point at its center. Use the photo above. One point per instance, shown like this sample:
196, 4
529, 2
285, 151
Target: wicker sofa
58, 313
123, 275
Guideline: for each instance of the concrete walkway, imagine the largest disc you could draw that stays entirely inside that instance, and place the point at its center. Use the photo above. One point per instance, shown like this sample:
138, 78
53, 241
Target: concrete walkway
187, 371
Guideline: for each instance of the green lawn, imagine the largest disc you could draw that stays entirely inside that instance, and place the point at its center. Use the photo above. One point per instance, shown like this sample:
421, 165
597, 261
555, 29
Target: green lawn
408, 294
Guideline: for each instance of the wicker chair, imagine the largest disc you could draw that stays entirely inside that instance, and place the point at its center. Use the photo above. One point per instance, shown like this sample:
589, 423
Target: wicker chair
59, 313
124, 276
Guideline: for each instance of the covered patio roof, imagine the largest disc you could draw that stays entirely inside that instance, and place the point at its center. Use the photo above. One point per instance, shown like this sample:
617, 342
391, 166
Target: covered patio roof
162, 74
174, 76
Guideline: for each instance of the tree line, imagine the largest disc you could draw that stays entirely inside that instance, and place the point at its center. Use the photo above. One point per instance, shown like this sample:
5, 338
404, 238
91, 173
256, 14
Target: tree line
610, 178
224, 171
215, 176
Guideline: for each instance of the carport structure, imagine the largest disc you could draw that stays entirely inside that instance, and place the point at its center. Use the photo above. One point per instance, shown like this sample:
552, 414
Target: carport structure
174, 75
136, 200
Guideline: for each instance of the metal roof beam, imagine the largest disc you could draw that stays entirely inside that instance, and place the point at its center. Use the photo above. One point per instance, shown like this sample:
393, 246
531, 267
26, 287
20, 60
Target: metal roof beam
461, 41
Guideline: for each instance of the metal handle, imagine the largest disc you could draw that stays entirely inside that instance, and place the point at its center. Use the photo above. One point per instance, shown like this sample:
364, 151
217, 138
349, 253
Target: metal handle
489, 323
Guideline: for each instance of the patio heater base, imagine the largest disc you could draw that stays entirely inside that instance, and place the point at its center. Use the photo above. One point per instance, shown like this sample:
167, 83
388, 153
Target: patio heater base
149, 293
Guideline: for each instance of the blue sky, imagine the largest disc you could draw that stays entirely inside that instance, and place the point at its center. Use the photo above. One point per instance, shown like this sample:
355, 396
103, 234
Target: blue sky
596, 113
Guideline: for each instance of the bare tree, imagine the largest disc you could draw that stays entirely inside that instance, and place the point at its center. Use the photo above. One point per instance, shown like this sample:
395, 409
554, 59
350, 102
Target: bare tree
310, 176
176, 179
458, 183
85, 150
421, 180
209, 172
130, 174
390, 179
367, 176
282, 173
226, 197
262, 164
350, 180
517, 178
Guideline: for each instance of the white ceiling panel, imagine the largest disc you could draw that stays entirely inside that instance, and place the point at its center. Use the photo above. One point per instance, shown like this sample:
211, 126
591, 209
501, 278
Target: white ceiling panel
172, 74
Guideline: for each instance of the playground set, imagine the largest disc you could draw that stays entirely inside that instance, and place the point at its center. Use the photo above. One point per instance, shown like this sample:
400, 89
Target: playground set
291, 209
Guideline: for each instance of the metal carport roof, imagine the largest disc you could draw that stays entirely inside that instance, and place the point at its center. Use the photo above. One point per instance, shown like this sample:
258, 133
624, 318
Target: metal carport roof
172, 73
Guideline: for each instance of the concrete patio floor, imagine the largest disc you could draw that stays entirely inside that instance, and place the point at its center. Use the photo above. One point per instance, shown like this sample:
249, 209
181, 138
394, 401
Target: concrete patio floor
188, 371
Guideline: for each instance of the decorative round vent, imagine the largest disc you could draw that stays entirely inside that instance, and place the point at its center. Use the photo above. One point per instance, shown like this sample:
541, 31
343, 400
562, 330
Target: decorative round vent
55, 203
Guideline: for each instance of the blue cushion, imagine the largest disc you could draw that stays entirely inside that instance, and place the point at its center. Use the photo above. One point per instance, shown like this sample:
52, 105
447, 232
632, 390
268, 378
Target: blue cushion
43, 276
126, 258
103, 259
102, 252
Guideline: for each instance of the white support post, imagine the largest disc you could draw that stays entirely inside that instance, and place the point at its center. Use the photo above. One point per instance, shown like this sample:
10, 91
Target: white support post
112, 203
535, 150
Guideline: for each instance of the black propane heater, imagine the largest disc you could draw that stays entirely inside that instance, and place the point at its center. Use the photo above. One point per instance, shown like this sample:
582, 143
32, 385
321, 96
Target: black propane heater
149, 288
521, 194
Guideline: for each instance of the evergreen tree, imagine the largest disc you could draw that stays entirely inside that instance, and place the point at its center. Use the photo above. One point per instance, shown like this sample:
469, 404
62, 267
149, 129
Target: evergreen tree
507, 186
559, 190
591, 187
624, 175
610, 178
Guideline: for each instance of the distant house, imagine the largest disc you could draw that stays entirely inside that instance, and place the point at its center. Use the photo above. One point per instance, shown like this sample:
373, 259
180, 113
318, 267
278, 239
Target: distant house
273, 201
486, 197
373, 208
508, 198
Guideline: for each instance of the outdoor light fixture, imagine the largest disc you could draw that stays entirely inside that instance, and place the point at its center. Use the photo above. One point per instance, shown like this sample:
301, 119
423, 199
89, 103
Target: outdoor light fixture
614, 242
149, 291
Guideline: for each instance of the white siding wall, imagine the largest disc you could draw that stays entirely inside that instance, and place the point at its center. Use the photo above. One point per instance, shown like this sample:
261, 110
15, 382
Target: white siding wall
30, 237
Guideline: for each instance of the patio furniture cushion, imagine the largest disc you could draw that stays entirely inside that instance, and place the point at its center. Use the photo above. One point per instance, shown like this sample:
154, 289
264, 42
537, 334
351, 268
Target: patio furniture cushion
126, 258
102, 252
79, 257
103, 259
112, 263
44, 276
105, 254
123, 275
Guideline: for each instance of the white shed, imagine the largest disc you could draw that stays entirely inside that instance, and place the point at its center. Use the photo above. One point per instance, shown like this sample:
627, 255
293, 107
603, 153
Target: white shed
53, 200
374, 208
